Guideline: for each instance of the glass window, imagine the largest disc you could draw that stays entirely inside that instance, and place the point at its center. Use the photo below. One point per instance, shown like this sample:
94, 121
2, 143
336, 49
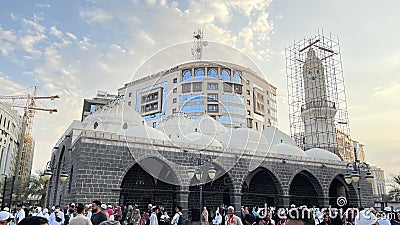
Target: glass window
227, 87
248, 92
233, 110
197, 86
212, 108
92, 108
130, 94
173, 110
231, 119
212, 86
248, 102
199, 73
154, 124
226, 75
185, 88
212, 97
191, 98
238, 88
174, 100
213, 73
192, 108
186, 75
175, 80
129, 103
174, 90
233, 99
237, 77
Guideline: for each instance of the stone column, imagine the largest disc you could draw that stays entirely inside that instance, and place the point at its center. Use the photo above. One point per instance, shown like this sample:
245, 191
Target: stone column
182, 198
237, 202
324, 202
283, 201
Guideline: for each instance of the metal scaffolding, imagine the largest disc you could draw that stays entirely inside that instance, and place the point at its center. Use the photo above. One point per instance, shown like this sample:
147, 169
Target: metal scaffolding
317, 99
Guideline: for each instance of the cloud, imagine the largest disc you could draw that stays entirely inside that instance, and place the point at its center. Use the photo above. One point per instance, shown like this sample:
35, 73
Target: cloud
8, 85
391, 90
95, 15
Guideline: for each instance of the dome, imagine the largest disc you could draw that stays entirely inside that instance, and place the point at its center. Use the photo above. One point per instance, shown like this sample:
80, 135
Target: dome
174, 124
198, 139
142, 131
244, 139
319, 153
205, 124
275, 136
113, 117
287, 149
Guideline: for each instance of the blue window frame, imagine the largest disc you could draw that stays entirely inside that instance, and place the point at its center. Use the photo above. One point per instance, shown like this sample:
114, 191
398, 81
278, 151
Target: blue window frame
226, 75
237, 77
186, 75
199, 73
192, 108
213, 73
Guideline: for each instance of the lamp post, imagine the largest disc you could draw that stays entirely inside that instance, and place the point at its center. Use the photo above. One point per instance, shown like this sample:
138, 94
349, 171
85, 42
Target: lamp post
197, 172
356, 167
3, 200
48, 173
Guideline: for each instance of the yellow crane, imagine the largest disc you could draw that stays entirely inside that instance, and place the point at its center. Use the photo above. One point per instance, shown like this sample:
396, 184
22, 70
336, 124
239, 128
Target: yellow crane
25, 149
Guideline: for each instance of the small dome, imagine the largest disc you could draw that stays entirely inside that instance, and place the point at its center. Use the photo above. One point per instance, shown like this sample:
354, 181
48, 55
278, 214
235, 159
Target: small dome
287, 149
275, 136
207, 125
198, 139
142, 131
319, 153
113, 117
174, 124
244, 139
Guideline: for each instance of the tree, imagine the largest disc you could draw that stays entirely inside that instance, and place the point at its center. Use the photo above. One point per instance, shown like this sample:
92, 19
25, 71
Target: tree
36, 187
395, 191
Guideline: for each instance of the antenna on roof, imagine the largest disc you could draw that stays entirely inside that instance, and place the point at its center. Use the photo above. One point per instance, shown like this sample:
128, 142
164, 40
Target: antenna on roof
198, 44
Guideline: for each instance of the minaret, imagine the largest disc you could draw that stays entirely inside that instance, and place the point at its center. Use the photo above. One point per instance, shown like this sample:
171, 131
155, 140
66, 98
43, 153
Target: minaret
318, 112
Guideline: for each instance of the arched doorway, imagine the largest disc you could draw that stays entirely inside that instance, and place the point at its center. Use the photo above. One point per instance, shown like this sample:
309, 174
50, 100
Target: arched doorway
259, 188
305, 190
215, 193
139, 187
339, 188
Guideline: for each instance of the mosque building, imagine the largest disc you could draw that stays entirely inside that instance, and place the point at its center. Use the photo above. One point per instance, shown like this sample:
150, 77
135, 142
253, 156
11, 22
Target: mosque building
201, 128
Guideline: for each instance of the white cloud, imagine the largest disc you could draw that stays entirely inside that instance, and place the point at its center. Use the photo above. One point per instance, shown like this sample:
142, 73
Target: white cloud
28, 42
35, 25
8, 85
95, 15
391, 90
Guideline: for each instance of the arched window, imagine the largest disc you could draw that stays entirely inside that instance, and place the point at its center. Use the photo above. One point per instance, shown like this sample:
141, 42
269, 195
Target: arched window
237, 77
213, 73
95, 125
186, 75
226, 75
199, 73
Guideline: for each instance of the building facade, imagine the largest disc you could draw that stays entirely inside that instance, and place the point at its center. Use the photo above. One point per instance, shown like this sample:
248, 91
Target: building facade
233, 95
93, 104
115, 157
10, 131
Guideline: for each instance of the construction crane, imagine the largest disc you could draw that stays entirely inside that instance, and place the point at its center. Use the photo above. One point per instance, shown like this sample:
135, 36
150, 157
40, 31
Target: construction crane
25, 154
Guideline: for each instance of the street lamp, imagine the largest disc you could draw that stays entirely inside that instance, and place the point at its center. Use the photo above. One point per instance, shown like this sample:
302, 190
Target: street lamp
356, 167
47, 174
197, 172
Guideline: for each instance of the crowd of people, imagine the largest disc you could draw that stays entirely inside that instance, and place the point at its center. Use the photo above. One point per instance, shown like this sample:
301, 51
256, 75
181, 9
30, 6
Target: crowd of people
98, 213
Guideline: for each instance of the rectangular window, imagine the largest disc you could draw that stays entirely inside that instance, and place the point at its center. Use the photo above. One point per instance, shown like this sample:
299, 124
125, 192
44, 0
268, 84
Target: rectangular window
175, 80
197, 86
130, 94
185, 88
92, 108
174, 90
248, 112
248, 102
248, 92
212, 86
212, 97
238, 88
228, 87
173, 110
212, 108
129, 103
174, 100
154, 124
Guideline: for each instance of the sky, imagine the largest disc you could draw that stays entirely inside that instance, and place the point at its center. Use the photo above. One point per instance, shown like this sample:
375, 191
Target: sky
75, 48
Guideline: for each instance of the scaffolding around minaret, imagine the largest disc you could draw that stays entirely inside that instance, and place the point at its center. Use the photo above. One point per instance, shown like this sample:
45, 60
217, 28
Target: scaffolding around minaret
317, 100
